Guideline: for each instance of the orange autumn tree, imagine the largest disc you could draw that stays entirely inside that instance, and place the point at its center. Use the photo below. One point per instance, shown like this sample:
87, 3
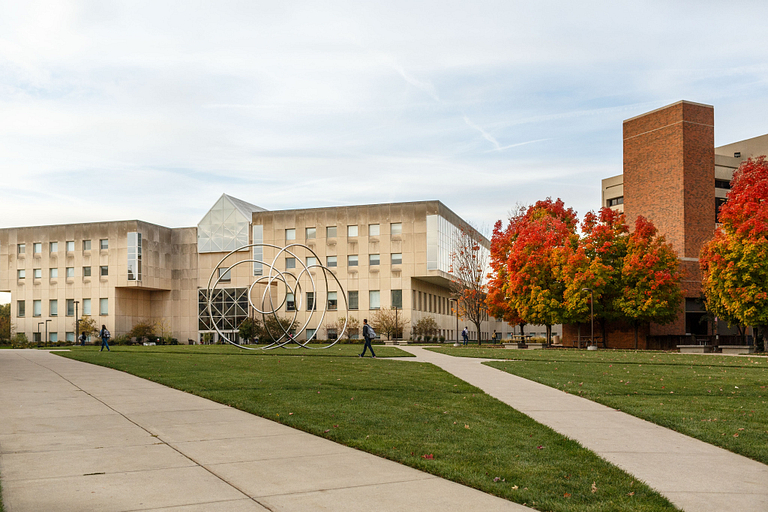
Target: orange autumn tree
650, 278
735, 262
598, 266
500, 305
536, 244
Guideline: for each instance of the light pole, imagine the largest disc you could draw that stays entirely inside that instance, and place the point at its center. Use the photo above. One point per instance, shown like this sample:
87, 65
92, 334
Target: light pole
591, 316
46, 331
395, 308
77, 323
38, 333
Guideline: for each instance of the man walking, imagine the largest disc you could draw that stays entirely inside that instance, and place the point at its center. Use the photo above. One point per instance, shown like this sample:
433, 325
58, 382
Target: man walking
104, 333
368, 334
465, 335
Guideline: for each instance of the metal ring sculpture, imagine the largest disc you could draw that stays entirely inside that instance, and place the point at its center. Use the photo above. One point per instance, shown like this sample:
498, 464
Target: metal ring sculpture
291, 283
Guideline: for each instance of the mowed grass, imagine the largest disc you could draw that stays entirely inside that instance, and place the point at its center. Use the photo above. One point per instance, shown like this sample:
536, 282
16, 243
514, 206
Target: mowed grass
721, 400
409, 412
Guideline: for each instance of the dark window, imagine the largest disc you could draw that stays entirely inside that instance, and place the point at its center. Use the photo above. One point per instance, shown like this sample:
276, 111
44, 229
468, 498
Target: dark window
353, 296
397, 299
723, 184
719, 202
616, 201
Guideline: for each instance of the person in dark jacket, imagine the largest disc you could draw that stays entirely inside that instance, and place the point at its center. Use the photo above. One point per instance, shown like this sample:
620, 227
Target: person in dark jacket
368, 334
104, 334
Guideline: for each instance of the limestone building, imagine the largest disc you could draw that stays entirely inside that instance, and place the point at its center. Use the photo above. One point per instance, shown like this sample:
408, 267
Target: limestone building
120, 273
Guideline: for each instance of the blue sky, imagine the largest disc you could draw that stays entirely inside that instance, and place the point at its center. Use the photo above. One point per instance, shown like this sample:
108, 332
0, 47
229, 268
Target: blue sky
152, 110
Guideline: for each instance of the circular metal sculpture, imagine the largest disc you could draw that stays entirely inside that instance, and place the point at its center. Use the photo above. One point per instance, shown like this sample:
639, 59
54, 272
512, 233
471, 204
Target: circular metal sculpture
267, 306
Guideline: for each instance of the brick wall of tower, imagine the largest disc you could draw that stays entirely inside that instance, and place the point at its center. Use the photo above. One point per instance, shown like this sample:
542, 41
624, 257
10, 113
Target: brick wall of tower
669, 166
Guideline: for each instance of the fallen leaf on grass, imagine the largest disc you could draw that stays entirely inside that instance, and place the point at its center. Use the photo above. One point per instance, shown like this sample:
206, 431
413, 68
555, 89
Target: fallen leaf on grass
630, 494
594, 487
428, 456
567, 495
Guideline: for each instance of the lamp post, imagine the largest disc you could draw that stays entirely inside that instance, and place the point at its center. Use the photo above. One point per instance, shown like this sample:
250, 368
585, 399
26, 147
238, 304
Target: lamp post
46, 331
77, 323
591, 316
38, 333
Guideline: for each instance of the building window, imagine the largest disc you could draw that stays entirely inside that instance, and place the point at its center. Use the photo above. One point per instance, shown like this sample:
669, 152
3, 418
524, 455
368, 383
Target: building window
229, 307
374, 259
134, 256
333, 302
396, 228
53, 307
353, 299
71, 246
719, 202
87, 307
70, 307
290, 302
311, 261
70, 271
310, 301
86, 245
374, 299
290, 263
103, 307
54, 273
104, 244
290, 234
54, 247
21, 248
397, 258
21, 273
21, 308
37, 307
330, 232
330, 261
352, 260
37, 273
723, 184
103, 270
53, 337
311, 233
37, 248
70, 336
311, 334
397, 299
351, 230
616, 201
374, 230
86, 271
225, 274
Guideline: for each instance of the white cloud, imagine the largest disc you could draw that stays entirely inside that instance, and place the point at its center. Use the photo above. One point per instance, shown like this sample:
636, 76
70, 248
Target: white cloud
481, 105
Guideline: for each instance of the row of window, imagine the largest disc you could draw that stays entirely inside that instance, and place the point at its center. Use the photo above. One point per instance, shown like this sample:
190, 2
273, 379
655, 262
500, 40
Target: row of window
423, 301
395, 228
53, 273
615, 201
353, 297
396, 258
53, 337
53, 247
53, 307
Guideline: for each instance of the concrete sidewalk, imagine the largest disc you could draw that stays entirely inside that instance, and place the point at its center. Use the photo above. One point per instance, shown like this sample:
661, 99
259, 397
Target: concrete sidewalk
694, 475
75, 437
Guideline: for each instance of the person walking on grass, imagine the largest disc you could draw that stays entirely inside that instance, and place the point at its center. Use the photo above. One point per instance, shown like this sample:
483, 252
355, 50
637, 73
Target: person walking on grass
369, 334
465, 335
104, 333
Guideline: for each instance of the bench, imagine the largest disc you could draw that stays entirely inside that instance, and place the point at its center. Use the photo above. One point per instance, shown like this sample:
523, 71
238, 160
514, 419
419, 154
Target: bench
695, 349
735, 349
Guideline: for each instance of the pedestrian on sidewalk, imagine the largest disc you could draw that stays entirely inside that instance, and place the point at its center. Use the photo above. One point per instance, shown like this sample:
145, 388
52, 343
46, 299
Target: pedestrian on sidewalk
369, 334
104, 333
465, 335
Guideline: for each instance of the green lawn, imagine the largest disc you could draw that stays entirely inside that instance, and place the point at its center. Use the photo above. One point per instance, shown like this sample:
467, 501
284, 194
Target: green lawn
410, 412
718, 399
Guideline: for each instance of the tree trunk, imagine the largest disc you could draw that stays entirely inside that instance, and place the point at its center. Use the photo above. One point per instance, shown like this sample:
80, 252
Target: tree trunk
479, 336
549, 334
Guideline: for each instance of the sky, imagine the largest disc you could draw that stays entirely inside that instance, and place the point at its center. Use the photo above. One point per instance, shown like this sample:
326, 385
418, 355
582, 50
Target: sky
151, 110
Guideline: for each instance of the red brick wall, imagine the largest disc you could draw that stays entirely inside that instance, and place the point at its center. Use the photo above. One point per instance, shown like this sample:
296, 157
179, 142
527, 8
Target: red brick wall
669, 173
618, 335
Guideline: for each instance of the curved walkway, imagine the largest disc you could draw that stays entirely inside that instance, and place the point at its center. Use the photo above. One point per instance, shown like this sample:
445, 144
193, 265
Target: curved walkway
75, 436
694, 475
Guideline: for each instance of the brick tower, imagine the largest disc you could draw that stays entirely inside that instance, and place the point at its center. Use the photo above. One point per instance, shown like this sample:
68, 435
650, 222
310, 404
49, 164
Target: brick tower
669, 176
